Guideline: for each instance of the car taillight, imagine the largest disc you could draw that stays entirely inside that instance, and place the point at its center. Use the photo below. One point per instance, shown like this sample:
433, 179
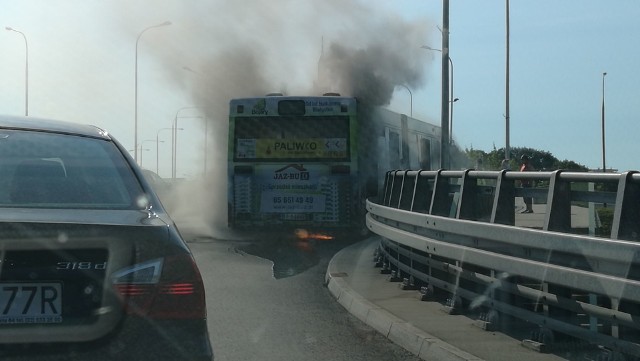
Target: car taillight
169, 288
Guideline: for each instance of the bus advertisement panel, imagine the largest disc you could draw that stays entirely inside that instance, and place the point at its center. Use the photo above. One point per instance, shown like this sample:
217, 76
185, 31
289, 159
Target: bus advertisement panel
301, 148
290, 161
294, 188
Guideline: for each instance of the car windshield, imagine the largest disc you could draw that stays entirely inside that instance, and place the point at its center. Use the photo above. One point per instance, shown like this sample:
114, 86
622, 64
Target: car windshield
48, 170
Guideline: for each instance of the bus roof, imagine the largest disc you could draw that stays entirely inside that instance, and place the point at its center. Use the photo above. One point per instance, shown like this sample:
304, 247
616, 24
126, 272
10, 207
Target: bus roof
293, 105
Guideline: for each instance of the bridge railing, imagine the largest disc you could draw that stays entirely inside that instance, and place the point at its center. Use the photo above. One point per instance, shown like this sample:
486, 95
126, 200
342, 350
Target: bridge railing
456, 233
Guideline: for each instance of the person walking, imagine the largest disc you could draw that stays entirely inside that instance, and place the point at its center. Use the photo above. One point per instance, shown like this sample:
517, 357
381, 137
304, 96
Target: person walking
525, 166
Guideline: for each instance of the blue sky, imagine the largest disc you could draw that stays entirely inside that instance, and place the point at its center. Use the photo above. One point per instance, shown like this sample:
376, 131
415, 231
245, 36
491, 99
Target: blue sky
558, 52
81, 67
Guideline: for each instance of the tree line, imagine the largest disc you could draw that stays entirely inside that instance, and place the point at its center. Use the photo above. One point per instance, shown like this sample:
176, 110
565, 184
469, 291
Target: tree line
470, 158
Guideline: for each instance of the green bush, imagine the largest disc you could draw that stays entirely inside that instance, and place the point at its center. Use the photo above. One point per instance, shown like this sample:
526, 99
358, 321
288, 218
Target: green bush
606, 220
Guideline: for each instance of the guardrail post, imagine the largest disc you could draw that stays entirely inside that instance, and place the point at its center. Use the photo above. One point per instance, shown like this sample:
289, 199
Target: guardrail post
440, 202
388, 183
396, 187
615, 328
421, 194
409, 282
558, 215
503, 210
468, 198
395, 274
406, 193
627, 211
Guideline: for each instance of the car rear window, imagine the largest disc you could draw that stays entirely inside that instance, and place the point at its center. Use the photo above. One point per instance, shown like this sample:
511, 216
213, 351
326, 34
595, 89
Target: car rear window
48, 170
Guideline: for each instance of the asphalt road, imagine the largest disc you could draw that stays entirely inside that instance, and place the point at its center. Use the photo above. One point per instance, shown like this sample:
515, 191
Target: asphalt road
261, 310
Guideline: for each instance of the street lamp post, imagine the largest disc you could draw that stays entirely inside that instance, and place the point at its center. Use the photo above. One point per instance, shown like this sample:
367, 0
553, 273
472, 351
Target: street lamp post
507, 116
158, 150
604, 164
141, 149
445, 156
410, 99
452, 99
206, 129
206, 132
175, 144
142, 143
135, 132
174, 140
26, 70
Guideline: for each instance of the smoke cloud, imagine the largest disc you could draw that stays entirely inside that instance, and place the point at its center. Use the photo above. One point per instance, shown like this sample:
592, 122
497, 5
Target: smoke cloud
251, 48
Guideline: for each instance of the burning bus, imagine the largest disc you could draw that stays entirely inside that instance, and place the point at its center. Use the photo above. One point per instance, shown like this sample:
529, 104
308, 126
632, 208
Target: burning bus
311, 161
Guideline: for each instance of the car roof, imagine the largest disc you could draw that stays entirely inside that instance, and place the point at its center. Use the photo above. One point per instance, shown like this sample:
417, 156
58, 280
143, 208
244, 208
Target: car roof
51, 125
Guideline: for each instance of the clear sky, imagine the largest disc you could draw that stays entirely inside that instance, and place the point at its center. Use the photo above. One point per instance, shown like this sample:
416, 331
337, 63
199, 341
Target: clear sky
82, 62
558, 52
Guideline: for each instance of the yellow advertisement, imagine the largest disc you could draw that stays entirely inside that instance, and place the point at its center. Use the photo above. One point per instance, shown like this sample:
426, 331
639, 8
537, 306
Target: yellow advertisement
301, 148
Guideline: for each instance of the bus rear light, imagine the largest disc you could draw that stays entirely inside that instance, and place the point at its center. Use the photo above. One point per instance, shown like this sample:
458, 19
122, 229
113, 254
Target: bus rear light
177, 294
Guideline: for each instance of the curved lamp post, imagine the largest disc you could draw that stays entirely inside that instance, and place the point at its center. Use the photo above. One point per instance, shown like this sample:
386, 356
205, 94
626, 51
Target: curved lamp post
142, 143
142, 149
451, 98
175, 144
410, 98
26, 70
158, 150
174, 140
135, 132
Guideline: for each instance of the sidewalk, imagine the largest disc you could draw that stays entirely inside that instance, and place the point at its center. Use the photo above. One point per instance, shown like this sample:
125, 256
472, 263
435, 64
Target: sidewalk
421, 327
579, 216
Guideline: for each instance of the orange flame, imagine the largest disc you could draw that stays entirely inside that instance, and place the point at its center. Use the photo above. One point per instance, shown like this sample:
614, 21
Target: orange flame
303, 234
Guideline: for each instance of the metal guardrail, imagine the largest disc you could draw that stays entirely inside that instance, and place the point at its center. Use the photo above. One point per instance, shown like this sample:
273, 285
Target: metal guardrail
454, 233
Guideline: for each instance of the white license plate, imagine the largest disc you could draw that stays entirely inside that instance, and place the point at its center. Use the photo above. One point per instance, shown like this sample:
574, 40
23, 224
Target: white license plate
30, 302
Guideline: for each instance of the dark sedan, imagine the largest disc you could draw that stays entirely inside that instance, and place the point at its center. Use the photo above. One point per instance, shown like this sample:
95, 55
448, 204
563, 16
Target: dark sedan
91, 265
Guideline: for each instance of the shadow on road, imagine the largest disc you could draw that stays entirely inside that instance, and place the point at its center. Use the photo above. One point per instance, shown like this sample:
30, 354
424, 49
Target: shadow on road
291, 255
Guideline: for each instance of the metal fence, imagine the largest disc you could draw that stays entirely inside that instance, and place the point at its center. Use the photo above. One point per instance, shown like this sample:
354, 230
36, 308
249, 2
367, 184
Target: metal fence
456, 233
